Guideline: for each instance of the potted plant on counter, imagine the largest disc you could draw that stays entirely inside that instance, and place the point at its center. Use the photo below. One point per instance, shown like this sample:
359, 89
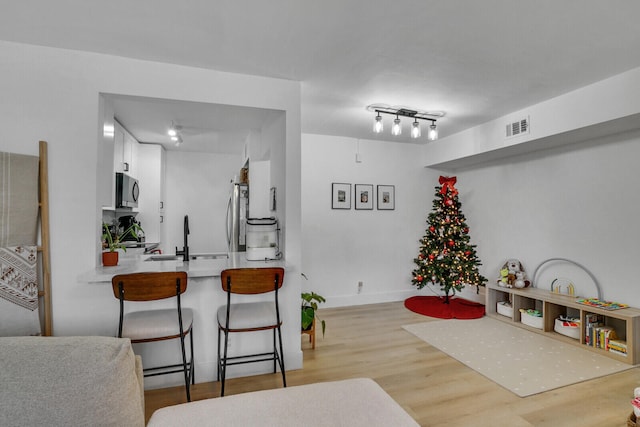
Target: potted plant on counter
112, 241
310, 301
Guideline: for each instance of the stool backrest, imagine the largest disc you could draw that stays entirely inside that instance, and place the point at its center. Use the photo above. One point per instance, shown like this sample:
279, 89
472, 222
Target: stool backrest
252, 280
149, 286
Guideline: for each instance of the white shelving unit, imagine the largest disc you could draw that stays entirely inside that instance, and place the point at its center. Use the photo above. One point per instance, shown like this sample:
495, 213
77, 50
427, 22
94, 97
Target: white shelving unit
625, 321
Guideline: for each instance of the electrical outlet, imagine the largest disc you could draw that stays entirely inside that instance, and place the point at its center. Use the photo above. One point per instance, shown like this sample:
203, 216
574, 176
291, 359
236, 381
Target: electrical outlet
359, 287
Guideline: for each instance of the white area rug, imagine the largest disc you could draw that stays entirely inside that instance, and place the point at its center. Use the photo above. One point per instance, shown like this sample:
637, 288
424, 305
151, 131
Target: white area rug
521, 361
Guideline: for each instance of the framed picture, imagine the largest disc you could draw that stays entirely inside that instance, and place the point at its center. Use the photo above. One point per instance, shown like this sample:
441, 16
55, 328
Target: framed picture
386, 197
364, 196
340, 196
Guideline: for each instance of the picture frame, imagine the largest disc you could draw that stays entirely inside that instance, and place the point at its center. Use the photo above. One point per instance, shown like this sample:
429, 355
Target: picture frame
363, 196
340, 195
386, 197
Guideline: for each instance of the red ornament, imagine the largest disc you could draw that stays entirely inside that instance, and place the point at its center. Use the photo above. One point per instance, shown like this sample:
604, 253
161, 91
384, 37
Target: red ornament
466, 229
432, 229
431, 257
467, 253
448, 202
419, 278
451, 243
421, 256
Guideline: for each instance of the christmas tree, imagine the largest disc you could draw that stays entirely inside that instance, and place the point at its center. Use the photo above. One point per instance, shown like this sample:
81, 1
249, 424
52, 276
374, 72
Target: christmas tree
446, 257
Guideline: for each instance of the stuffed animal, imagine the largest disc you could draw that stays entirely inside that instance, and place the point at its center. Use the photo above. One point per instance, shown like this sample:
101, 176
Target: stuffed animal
503, 280
519, 283
512, 275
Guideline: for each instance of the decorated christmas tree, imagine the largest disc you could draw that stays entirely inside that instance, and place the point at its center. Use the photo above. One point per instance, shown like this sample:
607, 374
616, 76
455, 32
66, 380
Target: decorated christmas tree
446, 257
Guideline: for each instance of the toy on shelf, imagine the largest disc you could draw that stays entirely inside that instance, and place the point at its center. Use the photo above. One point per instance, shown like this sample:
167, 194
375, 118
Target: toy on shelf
569, 326
512, 275
563, 286
531, 317
604, 305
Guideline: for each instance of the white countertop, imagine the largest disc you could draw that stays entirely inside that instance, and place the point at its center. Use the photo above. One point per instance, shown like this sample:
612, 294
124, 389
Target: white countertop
194, 268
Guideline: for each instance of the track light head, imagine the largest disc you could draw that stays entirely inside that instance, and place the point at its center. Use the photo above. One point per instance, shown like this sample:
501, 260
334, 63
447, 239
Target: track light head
433, 132
415, 130
378, 127
396, 129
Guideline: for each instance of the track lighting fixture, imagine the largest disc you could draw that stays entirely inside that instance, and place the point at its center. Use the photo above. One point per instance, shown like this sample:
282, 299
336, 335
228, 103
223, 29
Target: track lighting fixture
416, 115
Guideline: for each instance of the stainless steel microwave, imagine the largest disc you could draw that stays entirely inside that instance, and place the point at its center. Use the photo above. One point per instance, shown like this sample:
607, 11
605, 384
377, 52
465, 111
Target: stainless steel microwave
127, 191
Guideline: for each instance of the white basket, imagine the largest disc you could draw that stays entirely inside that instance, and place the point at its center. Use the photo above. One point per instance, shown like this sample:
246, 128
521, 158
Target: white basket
570, 331
533, 321
505, 308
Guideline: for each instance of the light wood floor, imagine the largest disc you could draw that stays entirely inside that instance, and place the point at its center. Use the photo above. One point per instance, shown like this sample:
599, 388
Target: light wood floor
437, 390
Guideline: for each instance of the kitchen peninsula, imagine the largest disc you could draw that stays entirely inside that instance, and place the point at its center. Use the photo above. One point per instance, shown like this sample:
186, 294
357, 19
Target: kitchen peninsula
204, 295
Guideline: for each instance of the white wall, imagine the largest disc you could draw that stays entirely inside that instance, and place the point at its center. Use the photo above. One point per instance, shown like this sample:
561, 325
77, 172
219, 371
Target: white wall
53, 94
601, 108
579, 202
205, 178
342, 247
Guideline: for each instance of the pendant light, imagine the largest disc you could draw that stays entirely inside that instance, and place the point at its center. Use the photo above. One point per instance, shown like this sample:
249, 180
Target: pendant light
378, 127
396, 129
433, 132
415, 129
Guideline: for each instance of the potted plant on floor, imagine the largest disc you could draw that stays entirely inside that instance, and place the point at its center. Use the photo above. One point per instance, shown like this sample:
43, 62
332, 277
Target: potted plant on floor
112, 241
310, 301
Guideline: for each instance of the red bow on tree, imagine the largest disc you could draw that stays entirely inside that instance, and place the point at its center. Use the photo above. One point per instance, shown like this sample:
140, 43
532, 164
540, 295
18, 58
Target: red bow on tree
448, 185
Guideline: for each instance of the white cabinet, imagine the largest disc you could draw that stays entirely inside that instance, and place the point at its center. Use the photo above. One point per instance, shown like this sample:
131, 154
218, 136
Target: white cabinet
118, 148
125, 152
130, 155
150, 170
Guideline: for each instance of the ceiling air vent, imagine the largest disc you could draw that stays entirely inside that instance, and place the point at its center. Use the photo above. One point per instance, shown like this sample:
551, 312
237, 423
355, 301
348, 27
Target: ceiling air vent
519, 127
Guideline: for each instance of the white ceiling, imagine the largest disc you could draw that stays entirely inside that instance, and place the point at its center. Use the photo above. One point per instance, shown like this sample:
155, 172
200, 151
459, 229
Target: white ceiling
476, 60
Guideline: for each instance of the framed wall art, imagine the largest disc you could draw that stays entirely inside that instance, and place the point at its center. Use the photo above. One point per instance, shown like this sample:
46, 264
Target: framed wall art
340, 196
364, 196
386, 197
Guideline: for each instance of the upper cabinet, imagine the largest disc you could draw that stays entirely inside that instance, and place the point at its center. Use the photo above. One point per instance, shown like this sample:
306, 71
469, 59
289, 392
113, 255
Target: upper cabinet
151, 168
125, 152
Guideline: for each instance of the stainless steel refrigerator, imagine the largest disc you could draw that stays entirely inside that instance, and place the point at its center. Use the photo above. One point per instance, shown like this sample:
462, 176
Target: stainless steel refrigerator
237, 214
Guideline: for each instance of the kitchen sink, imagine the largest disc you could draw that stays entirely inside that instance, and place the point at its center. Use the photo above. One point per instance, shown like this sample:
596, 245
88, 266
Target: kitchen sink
192, 257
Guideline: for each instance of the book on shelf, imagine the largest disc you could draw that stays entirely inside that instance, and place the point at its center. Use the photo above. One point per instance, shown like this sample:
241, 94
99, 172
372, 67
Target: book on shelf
618, 346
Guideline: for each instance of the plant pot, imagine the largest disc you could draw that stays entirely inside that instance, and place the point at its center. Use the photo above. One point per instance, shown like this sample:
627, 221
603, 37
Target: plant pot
308, 314
109, 259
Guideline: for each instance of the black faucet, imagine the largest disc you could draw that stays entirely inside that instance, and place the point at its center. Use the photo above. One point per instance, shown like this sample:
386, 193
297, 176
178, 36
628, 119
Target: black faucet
185, 249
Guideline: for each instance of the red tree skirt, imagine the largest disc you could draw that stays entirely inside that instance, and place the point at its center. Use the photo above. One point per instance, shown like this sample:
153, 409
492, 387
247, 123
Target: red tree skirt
432, 306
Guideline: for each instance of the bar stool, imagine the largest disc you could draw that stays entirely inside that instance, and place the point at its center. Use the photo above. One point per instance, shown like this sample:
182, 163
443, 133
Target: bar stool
236, 317
159, 324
